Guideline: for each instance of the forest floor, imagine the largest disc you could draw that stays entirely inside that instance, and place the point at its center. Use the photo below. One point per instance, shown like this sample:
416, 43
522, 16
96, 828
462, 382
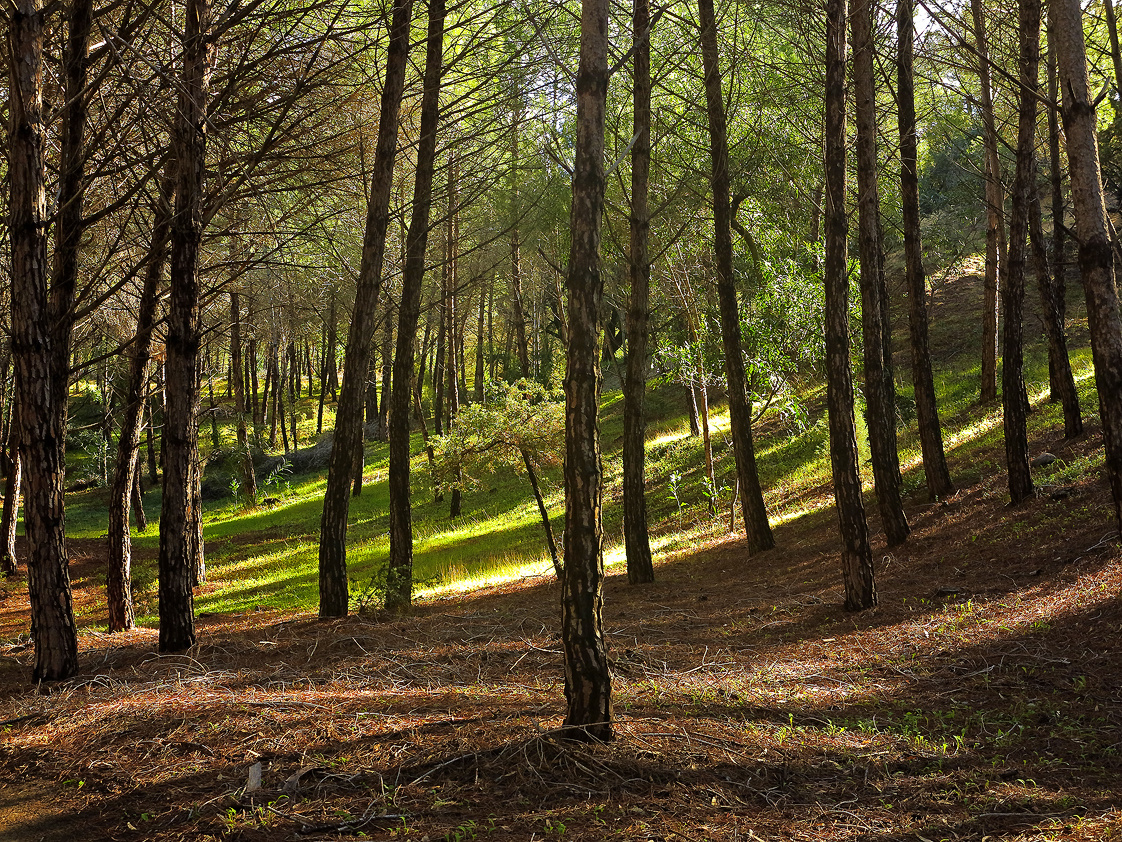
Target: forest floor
982, 699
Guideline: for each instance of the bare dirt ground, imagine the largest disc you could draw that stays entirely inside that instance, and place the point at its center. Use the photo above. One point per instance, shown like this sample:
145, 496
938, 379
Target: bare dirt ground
979, 701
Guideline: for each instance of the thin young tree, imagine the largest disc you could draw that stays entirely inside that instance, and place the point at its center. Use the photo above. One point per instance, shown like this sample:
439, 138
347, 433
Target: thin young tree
588, 684
333, 591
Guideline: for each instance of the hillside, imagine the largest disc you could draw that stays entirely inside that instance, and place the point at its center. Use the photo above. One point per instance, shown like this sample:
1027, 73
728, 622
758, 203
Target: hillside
980, 700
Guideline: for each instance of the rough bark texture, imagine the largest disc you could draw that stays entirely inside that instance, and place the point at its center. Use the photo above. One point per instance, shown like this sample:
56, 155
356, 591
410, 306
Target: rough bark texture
451, 282
1096, 260
857, 562
637, 544
118, 577
588, 681
880, 392
52, 616
1014, 397
399, 579
995, 211
756, 526
333, 593
939, 484
179, 545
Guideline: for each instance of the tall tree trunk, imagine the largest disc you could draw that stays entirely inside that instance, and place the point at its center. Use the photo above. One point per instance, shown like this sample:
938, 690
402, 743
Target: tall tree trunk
1096, 259
348, 418
756, 525
150, 435
52, 616
180, 549
451, 281
1053, 288
857, 560
939, 484
637, 544
880, 392
70, 225
1014, 397
995, 211
118, 578
588, 683
294, 388
248, 475
138, 497
399, 585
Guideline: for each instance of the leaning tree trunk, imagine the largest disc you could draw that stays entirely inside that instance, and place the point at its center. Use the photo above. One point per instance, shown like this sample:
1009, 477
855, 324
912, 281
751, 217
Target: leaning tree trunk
880, 398
857, 560
995, 211
756, 525
1014, 398
1096, 259
180, 548
52, 616
939, 484
588, 682
399, 579
637, 543
1053, 288
333, 594
118, 577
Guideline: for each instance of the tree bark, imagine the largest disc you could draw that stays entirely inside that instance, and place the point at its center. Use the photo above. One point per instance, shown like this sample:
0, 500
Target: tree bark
348, 417
636, 538
13, 472
519, 313
479, 364
1096, 259
451, 281
399, 579
756, 526
180, 549
249, 476
587, 675
995, 211
1053, 289
1014, 397
52, 616
936, 473
880, 397
857, 562
118, 578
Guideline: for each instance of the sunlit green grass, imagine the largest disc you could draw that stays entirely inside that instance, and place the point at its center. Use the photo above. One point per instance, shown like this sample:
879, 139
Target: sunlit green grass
268, 556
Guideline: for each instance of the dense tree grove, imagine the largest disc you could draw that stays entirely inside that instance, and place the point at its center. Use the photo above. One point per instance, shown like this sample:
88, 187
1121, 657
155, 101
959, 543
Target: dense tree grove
250, 205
